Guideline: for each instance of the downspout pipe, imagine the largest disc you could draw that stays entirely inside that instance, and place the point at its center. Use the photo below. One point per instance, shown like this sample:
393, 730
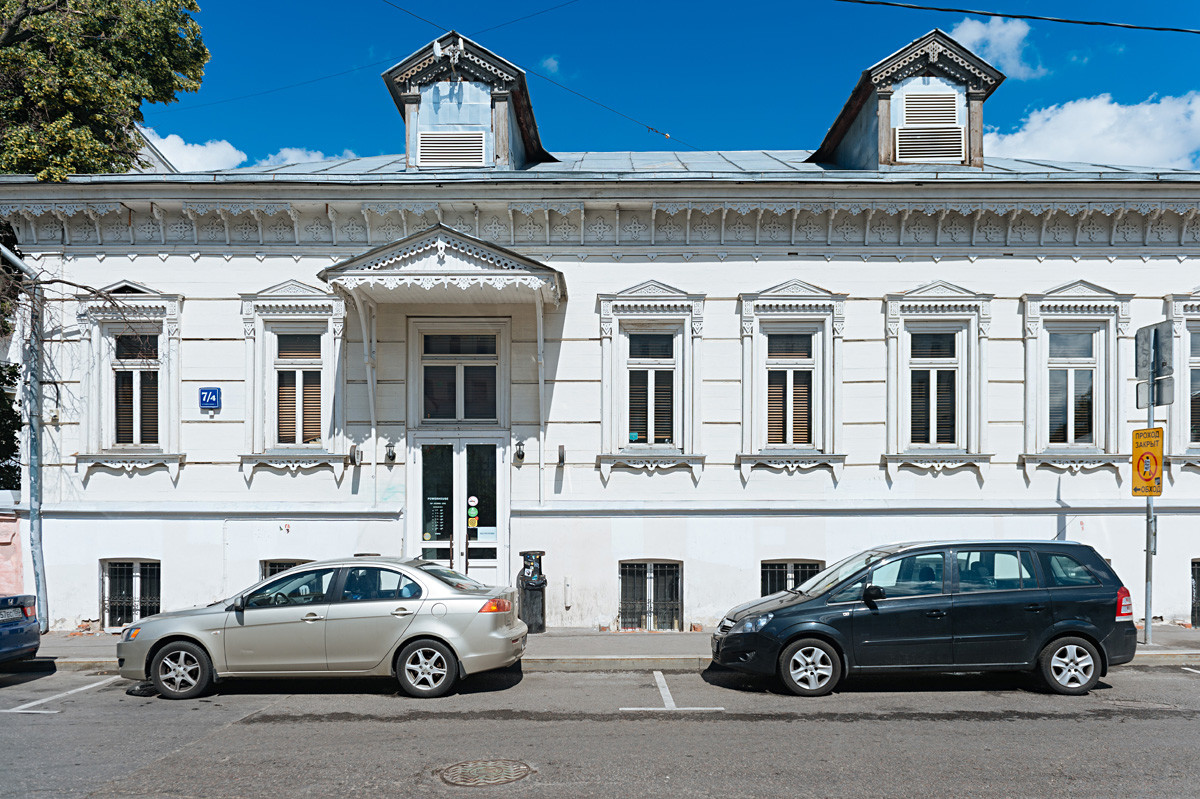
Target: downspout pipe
34, 404
368, 337
541, 364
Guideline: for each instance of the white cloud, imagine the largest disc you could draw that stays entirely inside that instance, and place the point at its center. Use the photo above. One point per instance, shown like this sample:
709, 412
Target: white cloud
1001, 42
299, 155
550, 64
215, 154
1160, 132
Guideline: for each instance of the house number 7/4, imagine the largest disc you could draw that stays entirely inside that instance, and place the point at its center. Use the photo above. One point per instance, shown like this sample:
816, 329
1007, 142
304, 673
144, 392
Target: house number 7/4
210, 399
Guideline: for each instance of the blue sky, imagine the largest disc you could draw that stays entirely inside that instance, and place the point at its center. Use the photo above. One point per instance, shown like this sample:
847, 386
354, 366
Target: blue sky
773, 77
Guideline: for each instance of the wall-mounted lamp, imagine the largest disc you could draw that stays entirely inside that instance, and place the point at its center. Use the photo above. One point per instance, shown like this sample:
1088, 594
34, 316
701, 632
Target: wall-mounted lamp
519, 455
562, 455
391, 452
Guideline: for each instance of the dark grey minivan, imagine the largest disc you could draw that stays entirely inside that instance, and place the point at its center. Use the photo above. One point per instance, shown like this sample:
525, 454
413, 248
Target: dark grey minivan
1051, 606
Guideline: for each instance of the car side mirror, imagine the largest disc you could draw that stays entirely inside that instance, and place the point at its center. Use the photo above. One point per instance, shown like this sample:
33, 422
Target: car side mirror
239, 604
872, 594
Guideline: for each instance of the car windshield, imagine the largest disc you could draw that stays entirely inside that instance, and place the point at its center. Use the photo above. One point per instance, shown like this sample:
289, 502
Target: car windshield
450, 577
823, 581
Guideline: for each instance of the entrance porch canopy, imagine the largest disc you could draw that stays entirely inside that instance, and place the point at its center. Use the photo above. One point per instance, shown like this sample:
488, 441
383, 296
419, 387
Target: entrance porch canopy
443, 266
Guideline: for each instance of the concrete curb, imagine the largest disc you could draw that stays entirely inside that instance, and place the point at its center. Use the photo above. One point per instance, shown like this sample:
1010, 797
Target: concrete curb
586, 663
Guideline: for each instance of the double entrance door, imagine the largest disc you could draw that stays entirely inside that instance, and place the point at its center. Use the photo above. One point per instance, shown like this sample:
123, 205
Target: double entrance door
458, 511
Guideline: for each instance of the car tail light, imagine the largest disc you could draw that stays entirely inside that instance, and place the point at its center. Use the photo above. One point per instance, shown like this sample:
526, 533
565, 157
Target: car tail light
496, 605
30, 611
1124, 605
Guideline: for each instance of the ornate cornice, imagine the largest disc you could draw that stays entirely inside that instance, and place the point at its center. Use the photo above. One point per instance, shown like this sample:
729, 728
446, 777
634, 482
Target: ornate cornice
1073, 300
652, 299
862, 226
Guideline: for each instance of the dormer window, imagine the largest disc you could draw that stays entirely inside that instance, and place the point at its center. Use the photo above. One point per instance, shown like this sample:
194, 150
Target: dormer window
930, 128
921, 104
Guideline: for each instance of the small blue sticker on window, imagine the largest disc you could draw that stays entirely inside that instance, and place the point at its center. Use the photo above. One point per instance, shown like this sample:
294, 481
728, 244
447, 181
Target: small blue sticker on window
633, 436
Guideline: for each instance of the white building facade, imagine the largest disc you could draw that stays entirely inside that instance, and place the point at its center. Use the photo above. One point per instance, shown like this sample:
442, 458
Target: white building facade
688, 378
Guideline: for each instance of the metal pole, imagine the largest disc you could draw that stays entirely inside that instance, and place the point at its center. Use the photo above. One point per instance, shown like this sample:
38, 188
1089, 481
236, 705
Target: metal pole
1150, 520
33, 402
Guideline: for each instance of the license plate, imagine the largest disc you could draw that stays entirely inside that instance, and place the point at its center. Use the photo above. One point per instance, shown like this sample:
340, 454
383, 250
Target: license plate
11, 614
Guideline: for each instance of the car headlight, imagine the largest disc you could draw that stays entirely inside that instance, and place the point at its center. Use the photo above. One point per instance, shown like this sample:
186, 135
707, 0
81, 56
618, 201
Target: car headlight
753, 624
131, 633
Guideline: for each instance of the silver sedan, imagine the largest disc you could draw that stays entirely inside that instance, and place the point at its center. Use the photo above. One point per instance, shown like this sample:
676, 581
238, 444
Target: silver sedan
425, 624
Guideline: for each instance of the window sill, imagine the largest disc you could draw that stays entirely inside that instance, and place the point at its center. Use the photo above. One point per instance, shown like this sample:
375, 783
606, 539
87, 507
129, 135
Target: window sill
296, 460
790, 460
937, 461
1073, 462
651, 460
131, 461
1186, 460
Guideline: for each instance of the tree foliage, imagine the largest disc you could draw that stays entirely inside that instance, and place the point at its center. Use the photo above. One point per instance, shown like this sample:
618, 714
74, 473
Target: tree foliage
74, 75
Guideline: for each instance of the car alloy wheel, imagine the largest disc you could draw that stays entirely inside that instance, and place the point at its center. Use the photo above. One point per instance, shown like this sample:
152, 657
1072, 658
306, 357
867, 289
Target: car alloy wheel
1069, 666
181, 670
810, 667
426, 669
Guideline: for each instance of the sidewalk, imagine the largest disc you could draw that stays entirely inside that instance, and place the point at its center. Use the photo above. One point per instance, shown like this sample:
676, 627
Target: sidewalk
574, 649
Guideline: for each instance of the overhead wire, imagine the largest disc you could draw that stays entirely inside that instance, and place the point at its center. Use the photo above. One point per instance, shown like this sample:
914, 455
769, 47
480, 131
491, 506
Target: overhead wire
1036, 17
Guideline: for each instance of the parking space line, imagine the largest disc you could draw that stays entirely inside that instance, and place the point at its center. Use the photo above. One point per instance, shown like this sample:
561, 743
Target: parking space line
668, 700
1193, 671
25, 707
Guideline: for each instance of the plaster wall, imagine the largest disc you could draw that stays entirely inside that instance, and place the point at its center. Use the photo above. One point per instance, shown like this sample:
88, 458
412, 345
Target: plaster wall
212, 523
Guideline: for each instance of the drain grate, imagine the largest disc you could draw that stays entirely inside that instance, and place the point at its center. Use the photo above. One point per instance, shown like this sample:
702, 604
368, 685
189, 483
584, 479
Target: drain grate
473, 773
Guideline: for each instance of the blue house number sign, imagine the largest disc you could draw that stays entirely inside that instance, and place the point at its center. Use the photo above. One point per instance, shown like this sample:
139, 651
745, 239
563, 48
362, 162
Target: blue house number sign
210, 399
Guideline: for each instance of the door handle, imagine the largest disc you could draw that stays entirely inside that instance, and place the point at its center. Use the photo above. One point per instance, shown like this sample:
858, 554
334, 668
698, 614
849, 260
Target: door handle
311, 617
936, 614
402, 612
1034, 608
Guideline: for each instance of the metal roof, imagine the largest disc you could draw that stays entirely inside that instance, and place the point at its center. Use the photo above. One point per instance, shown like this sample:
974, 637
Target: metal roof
724, 165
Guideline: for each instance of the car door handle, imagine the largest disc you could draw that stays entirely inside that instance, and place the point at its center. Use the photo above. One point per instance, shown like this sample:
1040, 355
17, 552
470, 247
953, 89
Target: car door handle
311, 617
1035, 608
402, 612
936, 614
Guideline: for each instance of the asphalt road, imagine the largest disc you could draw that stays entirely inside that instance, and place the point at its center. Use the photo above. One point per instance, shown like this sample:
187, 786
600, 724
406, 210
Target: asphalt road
960, 736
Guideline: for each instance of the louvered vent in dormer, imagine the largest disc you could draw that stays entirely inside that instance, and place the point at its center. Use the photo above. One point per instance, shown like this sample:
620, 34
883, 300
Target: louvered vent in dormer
451, 148
931, 131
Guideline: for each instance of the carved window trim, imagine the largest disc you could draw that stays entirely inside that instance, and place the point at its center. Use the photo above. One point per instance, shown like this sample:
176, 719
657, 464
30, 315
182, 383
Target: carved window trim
1074, 306
800, 307
140, 310
288, 308
938, 306
645, 307
1183, 310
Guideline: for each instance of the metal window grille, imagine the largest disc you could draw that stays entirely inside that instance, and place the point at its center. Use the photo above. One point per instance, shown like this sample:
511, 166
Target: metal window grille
1196, 593
132, 591
270, 568
651, 596
778, 577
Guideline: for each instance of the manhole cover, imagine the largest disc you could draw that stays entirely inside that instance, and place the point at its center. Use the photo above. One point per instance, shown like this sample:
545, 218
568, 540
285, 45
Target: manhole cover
485, 772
